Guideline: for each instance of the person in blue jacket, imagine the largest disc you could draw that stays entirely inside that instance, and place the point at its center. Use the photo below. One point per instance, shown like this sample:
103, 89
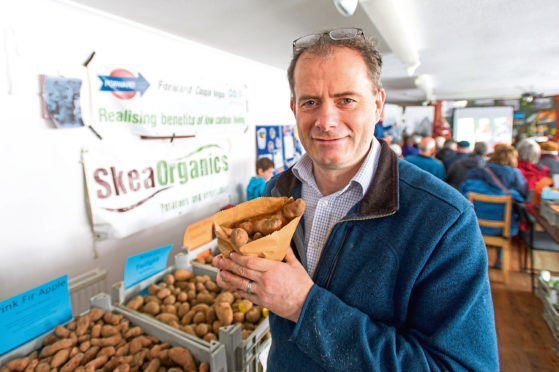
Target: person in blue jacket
388, 268
503, 164
264, 171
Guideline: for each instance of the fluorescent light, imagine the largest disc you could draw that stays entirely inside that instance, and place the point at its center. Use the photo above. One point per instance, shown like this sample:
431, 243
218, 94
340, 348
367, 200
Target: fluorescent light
387, 18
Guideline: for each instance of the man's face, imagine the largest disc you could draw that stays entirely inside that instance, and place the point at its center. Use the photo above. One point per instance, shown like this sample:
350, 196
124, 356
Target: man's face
335, 108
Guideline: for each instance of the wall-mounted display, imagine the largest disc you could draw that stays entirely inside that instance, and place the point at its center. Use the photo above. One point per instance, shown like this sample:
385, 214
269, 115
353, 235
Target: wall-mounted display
280, 143
61, 101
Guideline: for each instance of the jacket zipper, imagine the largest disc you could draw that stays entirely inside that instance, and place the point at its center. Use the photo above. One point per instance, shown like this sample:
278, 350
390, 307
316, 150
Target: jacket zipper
335, 261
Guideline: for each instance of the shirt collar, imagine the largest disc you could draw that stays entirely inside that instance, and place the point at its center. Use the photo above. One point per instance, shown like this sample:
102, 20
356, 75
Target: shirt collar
303, 169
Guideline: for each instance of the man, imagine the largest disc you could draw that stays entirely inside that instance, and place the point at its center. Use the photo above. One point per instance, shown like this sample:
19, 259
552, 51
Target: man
425, 160
389, 269
448, 150
462, 150
458, 171
549, 157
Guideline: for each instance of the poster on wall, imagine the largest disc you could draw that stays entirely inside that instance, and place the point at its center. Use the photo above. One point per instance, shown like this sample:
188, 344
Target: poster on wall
419, 120
61, 101
154, 102
130, 190
279, 143
392, 122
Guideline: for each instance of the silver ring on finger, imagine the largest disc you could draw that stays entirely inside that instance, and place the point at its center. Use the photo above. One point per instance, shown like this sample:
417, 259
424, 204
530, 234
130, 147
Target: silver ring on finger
249, 286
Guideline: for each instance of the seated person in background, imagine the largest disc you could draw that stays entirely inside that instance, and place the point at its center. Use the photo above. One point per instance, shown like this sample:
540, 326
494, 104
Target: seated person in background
549, 157
529, 153
410, 145
499, 177
264, 171
462, 150
448, 150
425, 160
459, 169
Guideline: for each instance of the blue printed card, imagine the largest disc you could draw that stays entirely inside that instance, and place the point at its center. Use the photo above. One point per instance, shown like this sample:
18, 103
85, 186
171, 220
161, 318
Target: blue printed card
30, 314
144, 265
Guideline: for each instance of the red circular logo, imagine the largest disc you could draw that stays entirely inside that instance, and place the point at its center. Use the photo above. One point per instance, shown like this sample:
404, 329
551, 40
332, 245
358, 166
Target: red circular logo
119, 72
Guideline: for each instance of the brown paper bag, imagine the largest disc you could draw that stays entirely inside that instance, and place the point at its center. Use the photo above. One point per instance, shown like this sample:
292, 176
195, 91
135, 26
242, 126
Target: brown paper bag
273, 246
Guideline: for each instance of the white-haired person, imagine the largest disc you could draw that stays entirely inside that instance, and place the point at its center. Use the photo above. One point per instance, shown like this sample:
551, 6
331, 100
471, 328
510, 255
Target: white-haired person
529, 153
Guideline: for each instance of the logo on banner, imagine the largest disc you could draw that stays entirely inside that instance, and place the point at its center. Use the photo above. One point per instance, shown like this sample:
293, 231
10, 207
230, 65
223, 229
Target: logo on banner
123, 84
114, 182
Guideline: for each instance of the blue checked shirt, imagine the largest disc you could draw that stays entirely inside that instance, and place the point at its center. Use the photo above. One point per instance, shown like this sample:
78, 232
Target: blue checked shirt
323, 212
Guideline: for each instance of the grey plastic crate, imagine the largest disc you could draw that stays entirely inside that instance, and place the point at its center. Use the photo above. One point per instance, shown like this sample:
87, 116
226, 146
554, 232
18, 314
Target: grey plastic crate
216, 357
242, 355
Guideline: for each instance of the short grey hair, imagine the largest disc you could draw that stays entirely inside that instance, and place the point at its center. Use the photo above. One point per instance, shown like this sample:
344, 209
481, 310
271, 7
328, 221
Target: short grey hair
529, 150
480, 148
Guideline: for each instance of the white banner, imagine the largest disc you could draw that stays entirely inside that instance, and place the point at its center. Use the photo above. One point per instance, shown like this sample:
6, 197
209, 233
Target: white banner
131, 190
155, 102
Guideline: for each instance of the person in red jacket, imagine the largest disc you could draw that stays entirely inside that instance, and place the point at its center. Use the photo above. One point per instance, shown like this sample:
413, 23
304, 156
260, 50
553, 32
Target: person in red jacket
529, 153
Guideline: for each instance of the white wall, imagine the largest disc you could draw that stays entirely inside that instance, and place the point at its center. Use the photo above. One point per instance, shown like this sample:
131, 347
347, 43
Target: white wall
44, 225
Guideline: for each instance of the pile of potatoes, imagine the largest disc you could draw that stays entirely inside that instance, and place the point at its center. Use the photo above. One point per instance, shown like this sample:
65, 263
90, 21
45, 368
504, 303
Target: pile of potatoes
249, 229
196, 305
104, 341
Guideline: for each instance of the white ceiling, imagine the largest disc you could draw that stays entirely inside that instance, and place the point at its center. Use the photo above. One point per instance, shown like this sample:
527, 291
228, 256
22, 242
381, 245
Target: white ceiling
468, 48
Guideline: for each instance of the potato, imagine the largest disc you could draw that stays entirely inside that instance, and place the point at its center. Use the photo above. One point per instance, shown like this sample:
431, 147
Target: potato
57, 346
97, 362
167, 318
135, 303
245, 333
201, 329
204, 367
90, 354
73, 363
294, 209
209, 337
18, 364
187, 318
199, 317
151, 308
59, 358
205, 298
182, 357
107, 341
225, 296
153, 365
169, 300
183, 309
253, 315
111, 318
51, 339
238, 317
109, 330
95, 314
42, 367
239, 237
107, 351
190, 330
212, 286
268, 225
82, 325
96, 331
183, 275
224, 313
182, 297
61, 332
215, 326
163, 293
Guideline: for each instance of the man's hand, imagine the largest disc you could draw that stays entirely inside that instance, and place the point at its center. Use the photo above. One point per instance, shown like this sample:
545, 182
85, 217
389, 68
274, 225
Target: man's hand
282, 287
